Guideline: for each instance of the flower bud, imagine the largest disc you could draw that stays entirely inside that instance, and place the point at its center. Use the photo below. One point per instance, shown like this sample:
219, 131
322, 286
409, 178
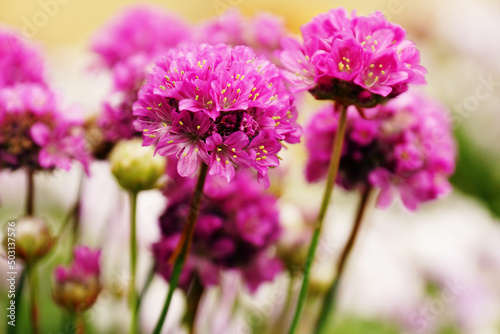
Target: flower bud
32, 238
77, 287
135, 167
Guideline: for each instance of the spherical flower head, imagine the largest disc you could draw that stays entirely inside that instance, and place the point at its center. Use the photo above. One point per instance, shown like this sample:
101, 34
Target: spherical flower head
408, 147
19, 62
235, 231
77, 287
220, 105
139, 30
35, 134
262, 33
356, 60
135, 167
33, 238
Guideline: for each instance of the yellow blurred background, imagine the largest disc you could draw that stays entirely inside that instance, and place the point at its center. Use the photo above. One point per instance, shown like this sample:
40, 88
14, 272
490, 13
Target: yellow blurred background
65, 22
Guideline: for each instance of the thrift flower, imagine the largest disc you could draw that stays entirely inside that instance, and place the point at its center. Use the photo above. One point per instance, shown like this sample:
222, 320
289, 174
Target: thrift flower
19, 62
235, 231
34, 133
409, 148
77, 287
220, 105
360, 60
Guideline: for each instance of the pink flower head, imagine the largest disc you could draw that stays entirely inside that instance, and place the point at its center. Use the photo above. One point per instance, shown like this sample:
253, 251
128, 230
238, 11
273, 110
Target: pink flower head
234, 232
139, 30
408, 148
19, 62
85, 266
262, 33
360, 60
220, 105
34, 133
77, 286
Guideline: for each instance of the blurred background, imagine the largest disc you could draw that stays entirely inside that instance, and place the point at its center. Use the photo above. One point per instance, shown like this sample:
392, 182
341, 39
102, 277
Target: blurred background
404, 262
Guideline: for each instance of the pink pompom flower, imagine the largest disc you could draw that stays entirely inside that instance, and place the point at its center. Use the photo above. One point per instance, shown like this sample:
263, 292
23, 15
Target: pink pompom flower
409, 149
354, 60
220, 105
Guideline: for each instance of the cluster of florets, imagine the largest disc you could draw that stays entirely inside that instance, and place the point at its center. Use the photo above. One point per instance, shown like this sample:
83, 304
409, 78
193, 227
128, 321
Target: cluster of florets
77, 287
19, 62
237, 227
34, 133
407, 147
263, 32
220, 105
353, 60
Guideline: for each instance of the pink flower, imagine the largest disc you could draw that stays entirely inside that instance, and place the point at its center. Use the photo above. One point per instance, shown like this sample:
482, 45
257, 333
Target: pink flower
19, 62
262, 33
35, 134
353, 60
408, 148
216, 104
139, 30
77, 287
235, 231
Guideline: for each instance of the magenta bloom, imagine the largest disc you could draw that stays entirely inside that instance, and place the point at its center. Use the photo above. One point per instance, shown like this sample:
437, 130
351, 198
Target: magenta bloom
353, 60
77, 287
263, 33
85, 266
139, 30
34, 133
19, 62
235, 231
220, 105
409, 147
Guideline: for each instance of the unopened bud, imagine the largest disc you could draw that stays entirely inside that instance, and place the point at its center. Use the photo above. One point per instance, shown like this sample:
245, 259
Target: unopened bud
135, 167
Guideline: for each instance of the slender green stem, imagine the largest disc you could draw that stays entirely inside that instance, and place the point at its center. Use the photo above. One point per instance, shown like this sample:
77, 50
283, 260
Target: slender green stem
193, 302
179, 256
133, 262
332, 175
18, 299
145, 288
30, 192
76, 212
33, 286
329, 301
80, 324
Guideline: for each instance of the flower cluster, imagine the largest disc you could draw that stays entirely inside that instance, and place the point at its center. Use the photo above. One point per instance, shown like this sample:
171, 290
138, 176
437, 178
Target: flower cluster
220, 105
353, 60
34, 133
263, 33
235, 230
19, 62
408, 147
77, 287
127, 46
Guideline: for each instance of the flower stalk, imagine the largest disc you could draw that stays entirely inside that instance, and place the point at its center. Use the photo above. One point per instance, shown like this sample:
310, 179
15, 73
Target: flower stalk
330, 298
179, 256
133, 298
330, 183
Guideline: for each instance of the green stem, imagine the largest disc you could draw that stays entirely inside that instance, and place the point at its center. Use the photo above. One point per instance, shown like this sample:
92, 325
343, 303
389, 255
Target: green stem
33, 287
77, 212
332, 175
329, 301
179, 256
133, 262
145, 288
193, 302
80, 324
30, 193
18, 299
